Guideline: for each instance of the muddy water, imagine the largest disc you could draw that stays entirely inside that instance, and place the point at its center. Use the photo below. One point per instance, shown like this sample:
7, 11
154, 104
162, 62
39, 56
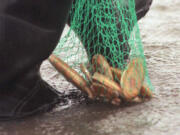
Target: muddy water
160, 31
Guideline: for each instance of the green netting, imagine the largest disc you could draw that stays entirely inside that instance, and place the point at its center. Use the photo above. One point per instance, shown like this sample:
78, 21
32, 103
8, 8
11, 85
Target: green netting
107, 27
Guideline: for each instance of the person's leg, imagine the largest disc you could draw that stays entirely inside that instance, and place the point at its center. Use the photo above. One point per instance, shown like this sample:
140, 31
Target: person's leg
29, 32
141, 7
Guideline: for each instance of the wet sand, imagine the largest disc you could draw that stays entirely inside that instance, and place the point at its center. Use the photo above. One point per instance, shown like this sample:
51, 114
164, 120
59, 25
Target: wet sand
160, 31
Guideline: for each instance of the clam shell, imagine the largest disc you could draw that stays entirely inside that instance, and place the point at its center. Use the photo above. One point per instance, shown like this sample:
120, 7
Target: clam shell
101, 65
103, 91
117, 73
102, 79
70, 74
136, 100
132, 78
146, 91
86, 72
116, 101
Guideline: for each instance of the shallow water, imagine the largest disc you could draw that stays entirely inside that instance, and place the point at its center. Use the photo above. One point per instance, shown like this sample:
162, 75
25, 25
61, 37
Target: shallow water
160, 31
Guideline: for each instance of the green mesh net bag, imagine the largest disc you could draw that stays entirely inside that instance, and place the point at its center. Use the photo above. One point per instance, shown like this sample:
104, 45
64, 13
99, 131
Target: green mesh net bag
106, 27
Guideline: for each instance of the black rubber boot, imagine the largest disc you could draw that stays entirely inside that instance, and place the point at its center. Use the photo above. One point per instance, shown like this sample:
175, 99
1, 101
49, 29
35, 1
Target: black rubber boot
29, 32
142, 7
